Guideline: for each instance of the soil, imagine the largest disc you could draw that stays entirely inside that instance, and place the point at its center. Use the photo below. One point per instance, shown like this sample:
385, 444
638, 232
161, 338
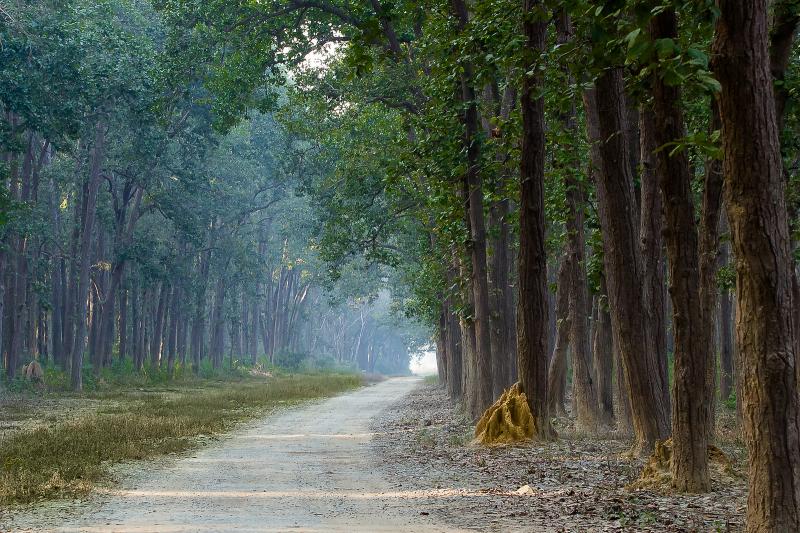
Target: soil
306, 469
577, 483
394, 456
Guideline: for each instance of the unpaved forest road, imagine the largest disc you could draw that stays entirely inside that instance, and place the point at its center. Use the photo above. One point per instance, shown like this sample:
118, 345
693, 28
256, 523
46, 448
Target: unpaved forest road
306, 469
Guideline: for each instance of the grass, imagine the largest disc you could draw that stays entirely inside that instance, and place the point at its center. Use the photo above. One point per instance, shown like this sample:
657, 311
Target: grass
431, 379
69, 457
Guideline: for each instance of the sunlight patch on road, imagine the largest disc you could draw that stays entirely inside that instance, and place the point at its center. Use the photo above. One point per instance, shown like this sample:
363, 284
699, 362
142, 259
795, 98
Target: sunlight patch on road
299, 494
312, 436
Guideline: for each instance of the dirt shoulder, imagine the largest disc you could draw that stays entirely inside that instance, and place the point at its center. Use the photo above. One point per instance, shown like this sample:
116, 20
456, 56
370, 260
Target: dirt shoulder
577, 483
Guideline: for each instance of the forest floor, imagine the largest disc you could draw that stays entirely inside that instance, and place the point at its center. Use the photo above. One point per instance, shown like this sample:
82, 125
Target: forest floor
576, 484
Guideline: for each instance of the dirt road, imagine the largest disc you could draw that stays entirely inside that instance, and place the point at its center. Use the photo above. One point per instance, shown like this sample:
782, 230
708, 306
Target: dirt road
307, 469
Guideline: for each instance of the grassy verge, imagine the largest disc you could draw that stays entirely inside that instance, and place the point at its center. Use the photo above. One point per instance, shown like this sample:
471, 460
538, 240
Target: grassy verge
432, 379
68, 457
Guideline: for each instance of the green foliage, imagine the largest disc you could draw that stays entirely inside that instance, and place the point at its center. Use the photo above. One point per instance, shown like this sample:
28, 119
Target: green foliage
726, 278
730, 401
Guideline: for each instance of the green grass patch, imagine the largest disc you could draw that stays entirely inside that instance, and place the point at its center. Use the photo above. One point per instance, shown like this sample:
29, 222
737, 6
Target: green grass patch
431, 379
69, 457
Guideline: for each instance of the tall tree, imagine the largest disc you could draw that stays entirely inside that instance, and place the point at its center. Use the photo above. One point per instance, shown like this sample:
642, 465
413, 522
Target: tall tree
623, 263
532, 304
756, 206
690, 416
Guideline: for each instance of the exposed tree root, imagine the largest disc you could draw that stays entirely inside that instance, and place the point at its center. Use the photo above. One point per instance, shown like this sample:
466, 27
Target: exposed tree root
657, 476
507, 421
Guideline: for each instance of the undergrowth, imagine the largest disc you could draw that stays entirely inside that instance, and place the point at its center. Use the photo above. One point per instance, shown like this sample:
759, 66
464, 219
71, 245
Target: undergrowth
69, 457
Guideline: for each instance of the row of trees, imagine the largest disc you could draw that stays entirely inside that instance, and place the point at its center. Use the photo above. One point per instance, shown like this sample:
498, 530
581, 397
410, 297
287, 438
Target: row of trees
616, 143
136, 230
624, 150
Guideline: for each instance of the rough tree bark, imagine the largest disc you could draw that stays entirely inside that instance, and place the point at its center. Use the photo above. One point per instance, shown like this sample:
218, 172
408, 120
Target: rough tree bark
532, 303
477, 236
501, 299
588, 415
689, 464
651, 245
755, 201
709, 264
623, 262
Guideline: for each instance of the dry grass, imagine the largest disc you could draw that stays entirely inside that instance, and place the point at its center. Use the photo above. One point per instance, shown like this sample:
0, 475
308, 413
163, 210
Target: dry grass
68, 457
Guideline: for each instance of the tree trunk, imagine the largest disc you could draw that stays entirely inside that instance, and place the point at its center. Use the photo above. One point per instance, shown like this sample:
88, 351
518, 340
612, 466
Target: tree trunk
135, 324
726, 374
709, 264
587, 411
158, 326
532, 303
123, 323
623, 262
622, 398
454, 352
82, 294
501, 322
557, 371
468, 364
217, 325
473, 183
17, 302
651, 244
755, 200
172, 331
603, 355
690, 415
57, 280
253, 347
501, 298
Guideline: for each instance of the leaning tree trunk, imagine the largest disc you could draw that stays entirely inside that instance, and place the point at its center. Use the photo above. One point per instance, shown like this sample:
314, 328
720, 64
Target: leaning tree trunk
623, 262
756, 205
532, 304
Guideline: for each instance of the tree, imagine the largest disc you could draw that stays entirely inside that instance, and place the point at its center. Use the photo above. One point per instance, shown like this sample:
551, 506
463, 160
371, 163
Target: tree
532, 311
690, 415
756, 206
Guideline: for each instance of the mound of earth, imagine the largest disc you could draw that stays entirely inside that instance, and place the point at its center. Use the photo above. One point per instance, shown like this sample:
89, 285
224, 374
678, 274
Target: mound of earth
507, 421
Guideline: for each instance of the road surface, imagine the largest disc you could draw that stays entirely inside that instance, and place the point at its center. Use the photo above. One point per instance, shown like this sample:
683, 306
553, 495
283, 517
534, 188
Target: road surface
306, 469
